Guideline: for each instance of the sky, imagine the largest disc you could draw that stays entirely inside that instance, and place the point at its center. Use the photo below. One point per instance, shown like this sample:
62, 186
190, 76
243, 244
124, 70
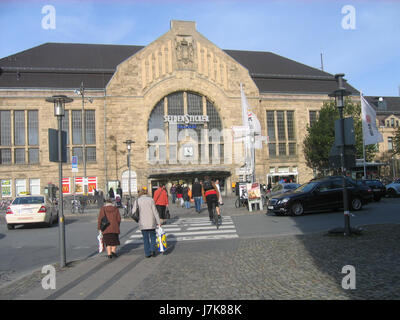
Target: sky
360, 38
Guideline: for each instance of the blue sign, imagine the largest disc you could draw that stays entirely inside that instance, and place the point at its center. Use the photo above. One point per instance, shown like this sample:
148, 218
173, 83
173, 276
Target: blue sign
74, 163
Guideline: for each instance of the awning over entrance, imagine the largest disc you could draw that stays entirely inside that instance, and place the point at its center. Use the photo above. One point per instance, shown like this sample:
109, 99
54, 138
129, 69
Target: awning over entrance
189, 174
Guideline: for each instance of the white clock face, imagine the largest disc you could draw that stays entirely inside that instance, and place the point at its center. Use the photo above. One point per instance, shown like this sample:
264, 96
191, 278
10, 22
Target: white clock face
188, 151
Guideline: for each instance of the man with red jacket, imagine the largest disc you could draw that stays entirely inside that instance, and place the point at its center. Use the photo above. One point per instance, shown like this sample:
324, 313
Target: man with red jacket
161, 201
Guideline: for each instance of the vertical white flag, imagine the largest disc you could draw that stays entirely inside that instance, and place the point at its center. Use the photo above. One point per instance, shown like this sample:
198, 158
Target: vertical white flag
371, 133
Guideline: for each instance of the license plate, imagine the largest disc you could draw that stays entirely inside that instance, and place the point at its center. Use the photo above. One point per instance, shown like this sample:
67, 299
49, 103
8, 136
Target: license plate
270, 207
25, 218
376, 189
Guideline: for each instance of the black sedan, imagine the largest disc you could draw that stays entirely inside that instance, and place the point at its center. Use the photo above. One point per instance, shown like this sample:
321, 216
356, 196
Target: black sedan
320, 194
378, 189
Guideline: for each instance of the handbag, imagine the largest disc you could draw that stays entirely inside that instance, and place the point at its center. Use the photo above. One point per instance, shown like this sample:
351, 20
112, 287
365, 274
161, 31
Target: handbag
135, 215
104, 223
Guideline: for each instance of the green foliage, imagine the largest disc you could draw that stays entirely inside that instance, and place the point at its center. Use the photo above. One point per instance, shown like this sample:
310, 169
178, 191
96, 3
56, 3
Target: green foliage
396, 142
321, 136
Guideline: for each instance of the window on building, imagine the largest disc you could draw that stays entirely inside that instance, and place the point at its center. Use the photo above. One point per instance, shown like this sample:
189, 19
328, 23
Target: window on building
271, 125
33, 128
390, 143
20, 186
392, 122
285, 131
90, 154
292, 149
272, 150
5, 128
162, 149
76, 127
19, 156
33, 156
280, 118
34, 186
5, 156
313, 117
290, 124
282, 149
90, 127
19, 128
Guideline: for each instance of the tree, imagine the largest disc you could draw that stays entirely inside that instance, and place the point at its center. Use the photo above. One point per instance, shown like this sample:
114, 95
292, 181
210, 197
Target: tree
396, 142
321, 135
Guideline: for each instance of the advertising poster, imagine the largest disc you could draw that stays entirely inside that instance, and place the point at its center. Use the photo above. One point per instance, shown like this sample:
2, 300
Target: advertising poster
79, 185
92, 184
243, 191
254, 191
5, 188
66, 186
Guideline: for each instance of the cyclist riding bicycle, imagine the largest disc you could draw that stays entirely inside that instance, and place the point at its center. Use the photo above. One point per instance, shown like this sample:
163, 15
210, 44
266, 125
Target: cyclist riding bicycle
211, 195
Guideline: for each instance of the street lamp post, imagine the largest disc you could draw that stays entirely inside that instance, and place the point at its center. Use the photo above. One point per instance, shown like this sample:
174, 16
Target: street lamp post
59, 110
339, 93
128, 145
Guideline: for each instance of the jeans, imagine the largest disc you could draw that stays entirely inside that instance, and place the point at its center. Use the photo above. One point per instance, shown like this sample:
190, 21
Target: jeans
173, 197
150, 241
187, 204
197, 203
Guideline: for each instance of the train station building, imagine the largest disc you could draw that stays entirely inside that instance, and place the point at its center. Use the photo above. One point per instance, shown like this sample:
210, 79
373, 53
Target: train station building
178, 99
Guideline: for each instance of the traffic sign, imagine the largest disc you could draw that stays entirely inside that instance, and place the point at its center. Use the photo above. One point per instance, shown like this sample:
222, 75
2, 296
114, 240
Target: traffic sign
74, 164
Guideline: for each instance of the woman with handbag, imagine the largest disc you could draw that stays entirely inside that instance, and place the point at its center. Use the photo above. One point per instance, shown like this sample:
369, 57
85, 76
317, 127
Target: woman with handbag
108, 223
148, 221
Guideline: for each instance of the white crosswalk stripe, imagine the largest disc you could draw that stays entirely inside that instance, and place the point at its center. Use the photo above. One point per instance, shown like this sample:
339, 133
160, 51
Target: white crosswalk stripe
189, 229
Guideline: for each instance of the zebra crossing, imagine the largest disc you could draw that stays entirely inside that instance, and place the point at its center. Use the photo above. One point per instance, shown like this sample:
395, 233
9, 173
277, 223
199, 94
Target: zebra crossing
190, 229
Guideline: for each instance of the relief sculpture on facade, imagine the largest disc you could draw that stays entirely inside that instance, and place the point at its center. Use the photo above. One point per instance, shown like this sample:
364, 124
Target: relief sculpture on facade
184, 48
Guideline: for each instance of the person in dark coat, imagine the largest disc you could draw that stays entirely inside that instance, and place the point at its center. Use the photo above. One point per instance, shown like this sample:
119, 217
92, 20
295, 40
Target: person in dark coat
111, 193
197, 195
111, 233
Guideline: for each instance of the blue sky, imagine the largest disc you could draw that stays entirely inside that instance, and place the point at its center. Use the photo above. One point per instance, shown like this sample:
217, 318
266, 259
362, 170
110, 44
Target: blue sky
368, 53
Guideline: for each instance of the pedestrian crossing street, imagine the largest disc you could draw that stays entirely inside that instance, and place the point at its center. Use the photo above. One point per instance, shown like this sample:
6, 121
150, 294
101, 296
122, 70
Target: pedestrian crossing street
189, 229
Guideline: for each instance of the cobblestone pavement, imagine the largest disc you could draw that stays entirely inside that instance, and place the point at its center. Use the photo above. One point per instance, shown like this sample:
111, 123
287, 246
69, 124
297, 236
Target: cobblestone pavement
283, 267
289, 267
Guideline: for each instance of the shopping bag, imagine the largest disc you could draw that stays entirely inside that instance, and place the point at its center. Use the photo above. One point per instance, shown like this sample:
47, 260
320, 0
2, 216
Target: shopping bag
101, 243
161, 240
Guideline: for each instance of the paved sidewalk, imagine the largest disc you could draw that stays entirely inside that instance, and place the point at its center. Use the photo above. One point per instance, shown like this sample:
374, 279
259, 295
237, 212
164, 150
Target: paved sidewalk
284, 267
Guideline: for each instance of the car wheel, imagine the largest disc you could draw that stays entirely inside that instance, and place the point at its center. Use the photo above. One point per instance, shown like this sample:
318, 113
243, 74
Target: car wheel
297, 209
356, 204
10, 226
391, 193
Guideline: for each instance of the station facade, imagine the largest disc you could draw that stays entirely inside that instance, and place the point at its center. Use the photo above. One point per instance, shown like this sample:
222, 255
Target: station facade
177, 98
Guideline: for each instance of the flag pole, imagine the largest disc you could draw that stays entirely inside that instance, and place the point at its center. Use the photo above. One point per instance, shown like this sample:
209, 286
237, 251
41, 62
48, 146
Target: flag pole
363, 141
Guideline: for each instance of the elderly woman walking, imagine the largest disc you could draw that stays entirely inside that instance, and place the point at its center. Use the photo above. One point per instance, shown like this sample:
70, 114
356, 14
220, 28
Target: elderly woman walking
111, 233
148, 221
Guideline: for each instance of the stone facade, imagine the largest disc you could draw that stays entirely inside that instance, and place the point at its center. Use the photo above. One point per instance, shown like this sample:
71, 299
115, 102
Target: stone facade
180, 60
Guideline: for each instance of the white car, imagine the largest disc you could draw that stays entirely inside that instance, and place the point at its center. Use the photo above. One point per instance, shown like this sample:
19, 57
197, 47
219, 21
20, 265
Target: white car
393, 189
31, 209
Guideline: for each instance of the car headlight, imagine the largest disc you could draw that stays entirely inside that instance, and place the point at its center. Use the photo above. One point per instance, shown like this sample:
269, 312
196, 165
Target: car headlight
283, 201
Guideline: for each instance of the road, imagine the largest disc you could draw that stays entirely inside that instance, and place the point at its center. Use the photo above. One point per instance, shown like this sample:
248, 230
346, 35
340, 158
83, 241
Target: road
29, 248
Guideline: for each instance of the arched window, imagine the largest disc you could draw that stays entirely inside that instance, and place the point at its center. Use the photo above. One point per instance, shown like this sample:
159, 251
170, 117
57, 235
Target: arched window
185, 127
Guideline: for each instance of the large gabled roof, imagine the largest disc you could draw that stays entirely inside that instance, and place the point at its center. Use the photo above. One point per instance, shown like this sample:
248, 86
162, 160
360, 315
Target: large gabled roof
66, 65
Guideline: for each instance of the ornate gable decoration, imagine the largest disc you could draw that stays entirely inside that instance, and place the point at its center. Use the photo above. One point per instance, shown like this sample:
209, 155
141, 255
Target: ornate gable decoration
185, 51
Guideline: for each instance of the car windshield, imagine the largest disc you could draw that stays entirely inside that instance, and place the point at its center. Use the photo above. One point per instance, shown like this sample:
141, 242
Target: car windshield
307, 187
28, 200
291, 186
